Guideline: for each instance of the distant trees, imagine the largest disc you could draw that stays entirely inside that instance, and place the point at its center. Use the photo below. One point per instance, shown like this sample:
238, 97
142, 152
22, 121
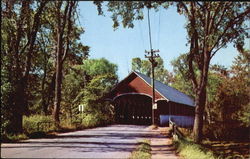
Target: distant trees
144, 66
87, 84
228, 104
181, 74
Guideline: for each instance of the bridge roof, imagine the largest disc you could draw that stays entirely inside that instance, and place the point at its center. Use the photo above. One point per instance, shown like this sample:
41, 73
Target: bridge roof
169, 93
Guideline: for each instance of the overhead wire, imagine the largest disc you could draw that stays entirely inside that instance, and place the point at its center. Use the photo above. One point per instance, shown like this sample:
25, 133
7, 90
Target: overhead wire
141, 34
149, 31
159, 30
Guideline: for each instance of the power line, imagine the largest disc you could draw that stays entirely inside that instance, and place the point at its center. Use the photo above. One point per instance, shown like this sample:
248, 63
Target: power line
151, 56
149, 31
141, 35
159, 24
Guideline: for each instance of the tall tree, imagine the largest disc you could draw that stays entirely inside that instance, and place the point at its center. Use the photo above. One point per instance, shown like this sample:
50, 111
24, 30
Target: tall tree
211, 26
18, 50
63, 30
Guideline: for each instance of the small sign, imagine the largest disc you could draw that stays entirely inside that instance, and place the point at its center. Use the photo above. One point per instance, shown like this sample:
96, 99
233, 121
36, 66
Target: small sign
81, 108
155, 106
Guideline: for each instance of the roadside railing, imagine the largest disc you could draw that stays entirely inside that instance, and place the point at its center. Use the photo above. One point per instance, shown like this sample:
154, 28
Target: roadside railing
175, 131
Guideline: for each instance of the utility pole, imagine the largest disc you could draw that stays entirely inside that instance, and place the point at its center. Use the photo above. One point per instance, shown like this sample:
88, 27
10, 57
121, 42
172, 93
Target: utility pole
151, 55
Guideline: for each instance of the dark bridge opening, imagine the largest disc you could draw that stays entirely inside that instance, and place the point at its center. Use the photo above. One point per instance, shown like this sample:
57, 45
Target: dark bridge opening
133, 109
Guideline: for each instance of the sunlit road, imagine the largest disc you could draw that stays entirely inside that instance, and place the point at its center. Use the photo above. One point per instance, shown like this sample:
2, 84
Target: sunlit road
115, 141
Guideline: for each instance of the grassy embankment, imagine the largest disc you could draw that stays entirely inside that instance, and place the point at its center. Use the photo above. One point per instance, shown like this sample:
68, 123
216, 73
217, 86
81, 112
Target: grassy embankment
143, 151
187, 149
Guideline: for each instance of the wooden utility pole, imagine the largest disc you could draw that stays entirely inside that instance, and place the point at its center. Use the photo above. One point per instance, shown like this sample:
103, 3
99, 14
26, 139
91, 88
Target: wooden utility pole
151, 55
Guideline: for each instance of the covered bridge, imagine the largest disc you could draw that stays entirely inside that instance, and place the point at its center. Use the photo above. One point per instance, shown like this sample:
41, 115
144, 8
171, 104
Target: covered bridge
132, 100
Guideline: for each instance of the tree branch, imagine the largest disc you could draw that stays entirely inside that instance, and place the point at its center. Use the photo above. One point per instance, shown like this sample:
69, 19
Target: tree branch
68, 30
192, 50
230, 25
32, 38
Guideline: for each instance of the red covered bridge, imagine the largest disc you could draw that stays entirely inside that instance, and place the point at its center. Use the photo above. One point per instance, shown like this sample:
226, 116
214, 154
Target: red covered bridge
132, 99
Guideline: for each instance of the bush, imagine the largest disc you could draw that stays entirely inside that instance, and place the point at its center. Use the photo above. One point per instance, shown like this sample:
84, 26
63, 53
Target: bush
90, 120
97, 119
13, 137
30, 123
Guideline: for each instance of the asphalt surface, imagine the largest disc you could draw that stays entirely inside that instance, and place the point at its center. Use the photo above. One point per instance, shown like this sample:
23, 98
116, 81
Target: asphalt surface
115, 141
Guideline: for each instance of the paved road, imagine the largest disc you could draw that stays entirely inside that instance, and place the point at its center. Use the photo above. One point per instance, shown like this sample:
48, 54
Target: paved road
115, 141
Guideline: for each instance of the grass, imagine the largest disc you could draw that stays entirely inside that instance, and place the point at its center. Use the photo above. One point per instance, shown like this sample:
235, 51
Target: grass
189, 150
13, 137
211, 149
143, 151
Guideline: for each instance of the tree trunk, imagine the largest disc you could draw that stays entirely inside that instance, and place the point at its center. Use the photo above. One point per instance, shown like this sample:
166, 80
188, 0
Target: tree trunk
20, 106
58, 84
199, 110
58, 81
61, 54
200, 101
44, 106
18, 109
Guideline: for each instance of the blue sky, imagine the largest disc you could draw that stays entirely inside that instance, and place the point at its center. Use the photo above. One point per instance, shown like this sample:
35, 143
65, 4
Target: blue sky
121, 45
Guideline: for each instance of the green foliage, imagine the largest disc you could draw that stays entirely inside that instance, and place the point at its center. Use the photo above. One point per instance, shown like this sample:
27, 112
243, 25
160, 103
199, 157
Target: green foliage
126, 12
181, 79
14, 137
142, 151
87, 84
228, 101
189, 150
30, 124
144, 66
97, 119
95, 67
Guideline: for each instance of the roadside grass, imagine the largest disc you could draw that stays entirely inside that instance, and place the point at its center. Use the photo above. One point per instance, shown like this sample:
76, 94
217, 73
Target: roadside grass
189, 150
13, 137
219, 149
143, 151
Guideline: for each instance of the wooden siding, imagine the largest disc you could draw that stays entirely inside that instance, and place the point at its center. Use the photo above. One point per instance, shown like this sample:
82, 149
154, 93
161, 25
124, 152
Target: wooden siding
135, 85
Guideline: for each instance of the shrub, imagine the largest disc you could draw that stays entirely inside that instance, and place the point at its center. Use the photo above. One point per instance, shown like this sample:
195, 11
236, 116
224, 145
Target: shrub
30, 123
90, 120
13, 137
